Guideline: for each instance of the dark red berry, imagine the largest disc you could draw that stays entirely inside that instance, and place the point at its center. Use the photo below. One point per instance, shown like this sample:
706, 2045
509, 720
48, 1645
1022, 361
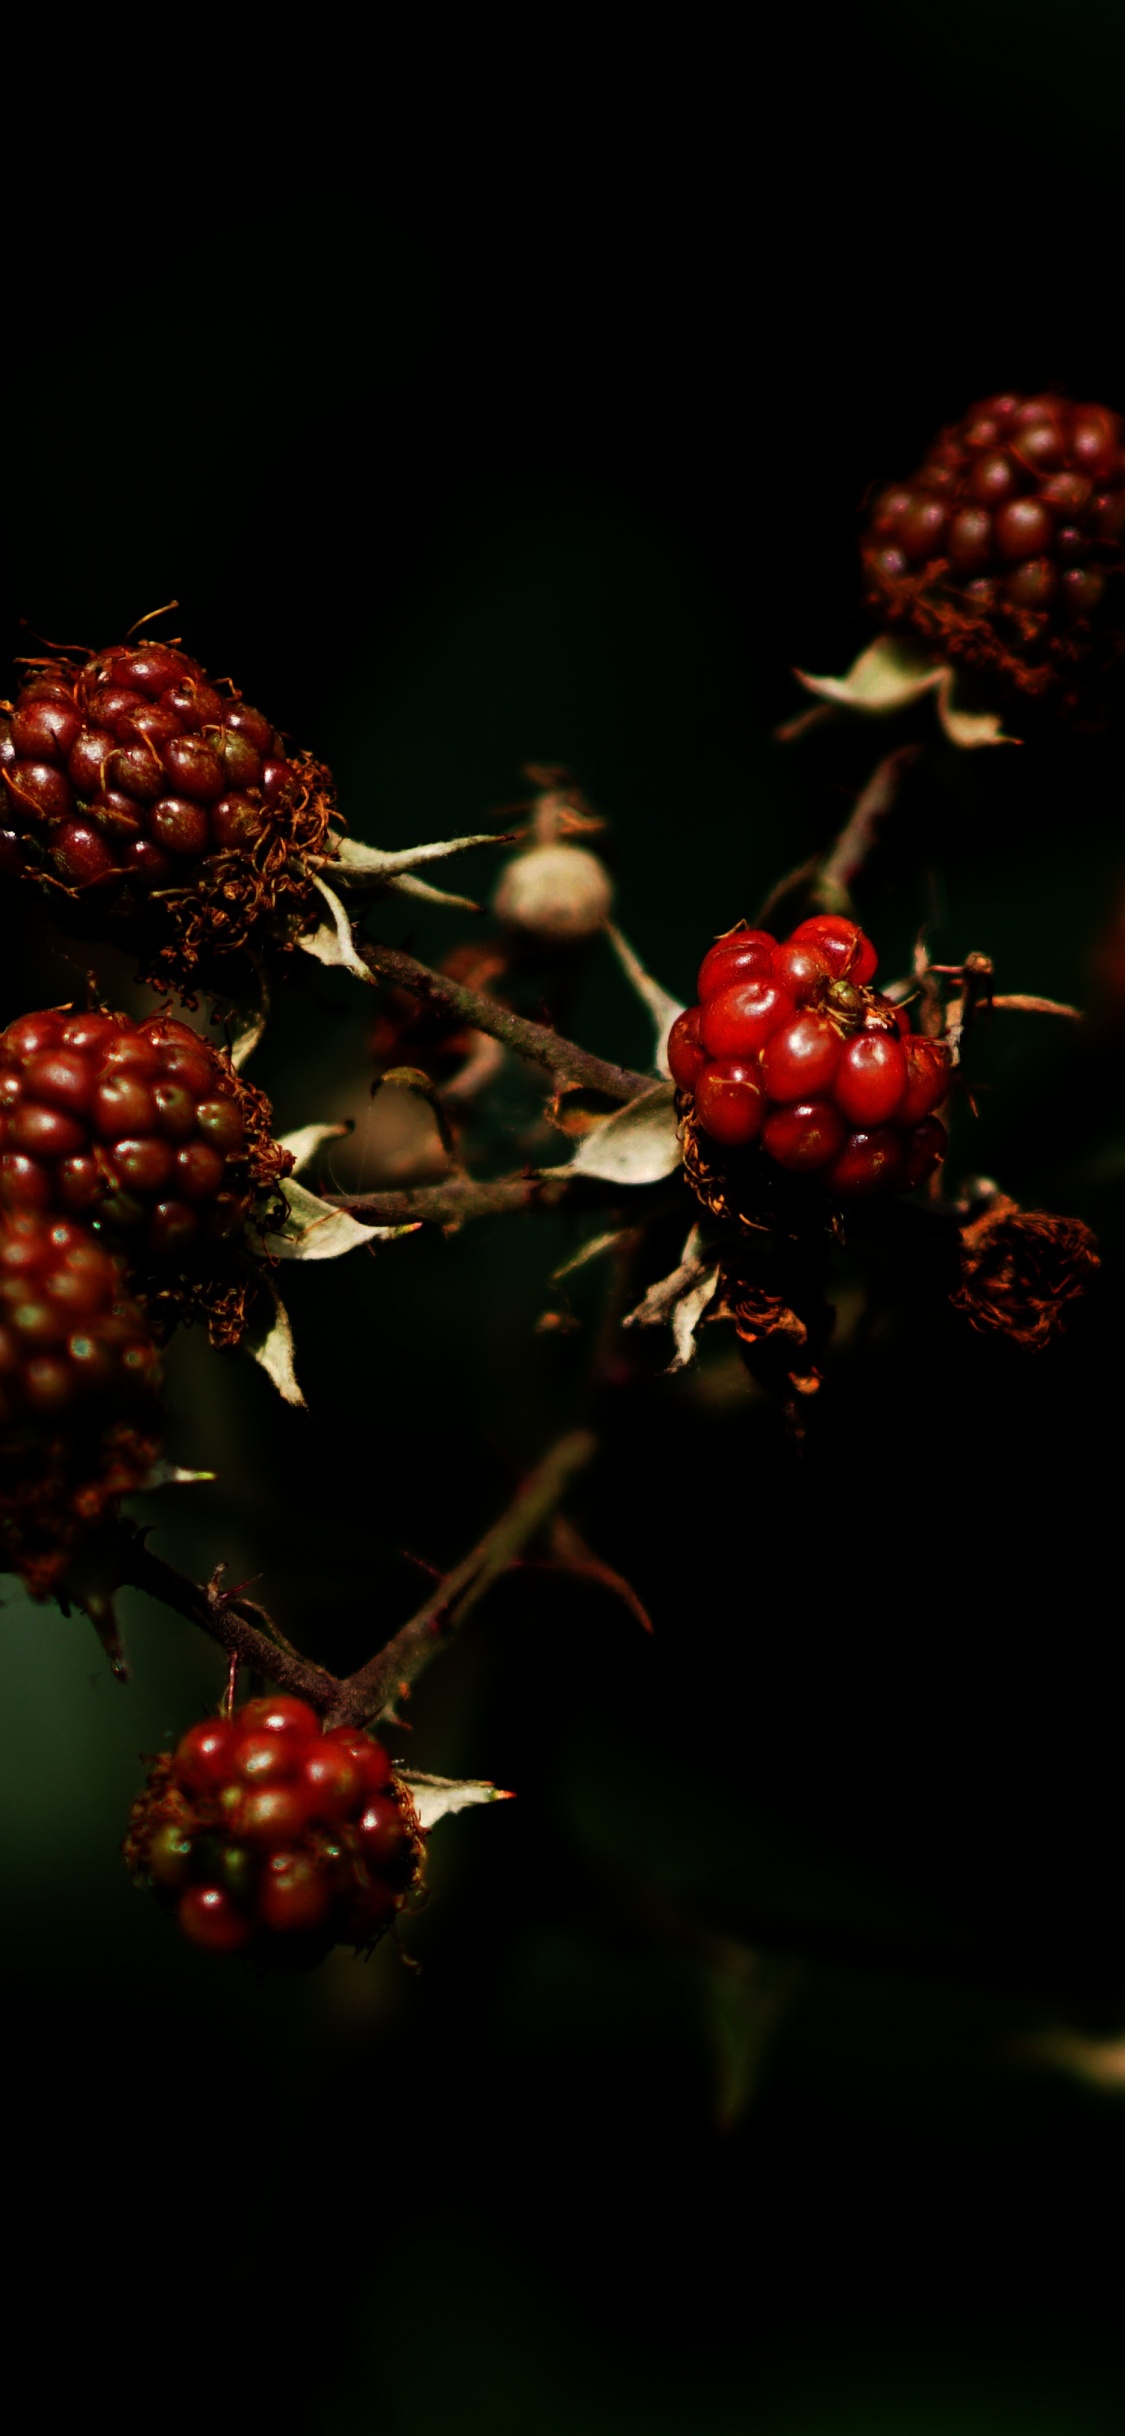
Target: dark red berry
804, 1137
204, 1756
923, 1149
211, 1918
868, 1163
686, 1052
130, 772
730, 1102
144, 1126
79, 1385
273, 1839
927, 1079
1000, 550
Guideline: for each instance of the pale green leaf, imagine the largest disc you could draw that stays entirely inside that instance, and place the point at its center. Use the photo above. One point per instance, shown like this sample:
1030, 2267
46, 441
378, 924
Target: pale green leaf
638, 1144
168, 1476
332, 942
306, 1141
434, 1797
316, 1230
270, 1342
407, 886
887, 676
358, 863
969, 729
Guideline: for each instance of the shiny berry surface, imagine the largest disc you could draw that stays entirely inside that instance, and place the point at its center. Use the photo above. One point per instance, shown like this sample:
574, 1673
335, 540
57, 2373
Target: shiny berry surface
792, 1049
72, 1343
137, 1128
1005, 548
135, 746
272, 1839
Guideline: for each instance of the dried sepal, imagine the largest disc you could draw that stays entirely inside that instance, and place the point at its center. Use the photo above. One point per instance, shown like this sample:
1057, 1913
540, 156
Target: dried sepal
891, 675
1021, 1268
239, 896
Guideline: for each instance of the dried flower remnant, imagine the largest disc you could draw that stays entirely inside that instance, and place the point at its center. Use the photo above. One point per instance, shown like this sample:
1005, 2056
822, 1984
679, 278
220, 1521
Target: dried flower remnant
1020, 1269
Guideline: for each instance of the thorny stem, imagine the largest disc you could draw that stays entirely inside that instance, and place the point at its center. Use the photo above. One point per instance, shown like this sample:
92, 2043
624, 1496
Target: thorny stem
229, 1620
535, 1041
366, 1695
846, 858
461, 1197
446, 1204
825, 881
246, 1631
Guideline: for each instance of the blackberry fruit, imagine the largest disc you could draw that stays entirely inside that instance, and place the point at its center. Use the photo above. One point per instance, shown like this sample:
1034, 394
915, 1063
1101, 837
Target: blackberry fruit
165, 806
79, 1385
146, 1132
271, 1839
791, 1053
1005, 548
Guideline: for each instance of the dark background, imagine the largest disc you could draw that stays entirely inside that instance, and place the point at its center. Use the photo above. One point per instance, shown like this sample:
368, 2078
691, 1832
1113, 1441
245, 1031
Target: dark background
510, 398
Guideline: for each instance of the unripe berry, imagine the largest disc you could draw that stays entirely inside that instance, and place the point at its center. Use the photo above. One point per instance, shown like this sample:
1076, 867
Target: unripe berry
557, 892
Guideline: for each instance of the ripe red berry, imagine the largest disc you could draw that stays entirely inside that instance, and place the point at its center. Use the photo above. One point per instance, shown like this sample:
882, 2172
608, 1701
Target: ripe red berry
741, 1016
741, 955
273, 1839
927, 1079
168, 802
805, 1058
209, 1916
730, 1101
844, 947
1005, 548
800, 1060
686, 1053
871, 1078
203, 1755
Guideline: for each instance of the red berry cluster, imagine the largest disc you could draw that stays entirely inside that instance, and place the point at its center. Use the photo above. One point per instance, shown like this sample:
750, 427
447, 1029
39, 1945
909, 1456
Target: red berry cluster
272, 1839
132, 781
79, 1380
70, 1339
1001, 547
144, 1128
791, 1049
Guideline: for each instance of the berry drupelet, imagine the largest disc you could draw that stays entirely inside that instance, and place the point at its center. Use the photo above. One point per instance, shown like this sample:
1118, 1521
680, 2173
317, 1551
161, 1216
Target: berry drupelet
791, 1053
1004, 550
274, 1840
79, 1385
165, 805
144, 1130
